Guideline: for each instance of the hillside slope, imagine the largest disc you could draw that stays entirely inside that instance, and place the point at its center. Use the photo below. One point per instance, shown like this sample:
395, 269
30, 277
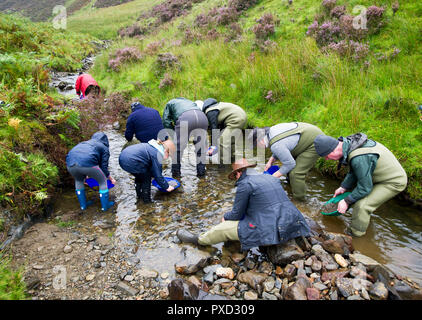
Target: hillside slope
42, 10
281, 62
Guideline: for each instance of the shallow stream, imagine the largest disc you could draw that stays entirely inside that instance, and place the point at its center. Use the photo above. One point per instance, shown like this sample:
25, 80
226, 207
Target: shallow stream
146, 233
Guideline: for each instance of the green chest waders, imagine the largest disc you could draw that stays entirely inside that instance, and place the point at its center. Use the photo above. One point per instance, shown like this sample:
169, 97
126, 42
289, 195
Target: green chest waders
304, 154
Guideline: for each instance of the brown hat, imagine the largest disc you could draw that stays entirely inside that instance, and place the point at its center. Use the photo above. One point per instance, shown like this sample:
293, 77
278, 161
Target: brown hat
239, 165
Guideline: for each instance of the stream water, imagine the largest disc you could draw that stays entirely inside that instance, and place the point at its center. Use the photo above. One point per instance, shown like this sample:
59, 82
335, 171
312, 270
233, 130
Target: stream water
146, 233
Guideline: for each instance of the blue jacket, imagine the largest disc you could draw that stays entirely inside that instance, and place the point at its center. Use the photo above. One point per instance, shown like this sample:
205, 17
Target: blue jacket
266, 214
91, 153
141, 158
144, 123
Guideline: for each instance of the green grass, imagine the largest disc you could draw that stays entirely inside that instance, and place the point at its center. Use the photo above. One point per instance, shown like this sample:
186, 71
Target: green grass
104, 23
33, 141
336, 94
11, 285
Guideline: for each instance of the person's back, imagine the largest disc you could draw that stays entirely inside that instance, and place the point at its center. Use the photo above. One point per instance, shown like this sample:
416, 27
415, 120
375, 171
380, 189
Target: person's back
137, 158
266, 208
85, 83
145, 123
90, 153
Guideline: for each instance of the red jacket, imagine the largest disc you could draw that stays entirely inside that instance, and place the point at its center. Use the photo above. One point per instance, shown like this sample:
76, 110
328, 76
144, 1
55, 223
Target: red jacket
83, 81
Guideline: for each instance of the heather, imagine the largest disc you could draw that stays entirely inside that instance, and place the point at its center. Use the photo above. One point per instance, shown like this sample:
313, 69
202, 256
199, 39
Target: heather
302, 61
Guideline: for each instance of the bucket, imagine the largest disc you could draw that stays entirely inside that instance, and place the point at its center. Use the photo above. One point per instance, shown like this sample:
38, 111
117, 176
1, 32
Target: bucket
272, 169
334, 201
168, 179
91, 182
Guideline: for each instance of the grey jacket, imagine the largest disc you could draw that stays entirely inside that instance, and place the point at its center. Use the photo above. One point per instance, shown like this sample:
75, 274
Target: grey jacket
266, 214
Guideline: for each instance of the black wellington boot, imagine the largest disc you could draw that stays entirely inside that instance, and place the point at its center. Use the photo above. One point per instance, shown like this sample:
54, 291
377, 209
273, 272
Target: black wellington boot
175, 170
146, 191
187, 237
200, 169
138, 190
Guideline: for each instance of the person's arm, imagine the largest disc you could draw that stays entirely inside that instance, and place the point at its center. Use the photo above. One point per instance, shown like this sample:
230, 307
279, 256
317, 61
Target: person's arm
349, 182
240, 203
130, 130
282, 153
167, 121
363, 168
213, 118
104, 157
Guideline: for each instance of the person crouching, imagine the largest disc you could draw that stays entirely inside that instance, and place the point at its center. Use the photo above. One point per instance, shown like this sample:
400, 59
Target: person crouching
90, 158
144, 160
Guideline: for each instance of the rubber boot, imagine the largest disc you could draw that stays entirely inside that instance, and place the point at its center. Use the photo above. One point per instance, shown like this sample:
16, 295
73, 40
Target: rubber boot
80, 193
175, 169
200, 169
146, 191
187, 237
138, 190
105, 204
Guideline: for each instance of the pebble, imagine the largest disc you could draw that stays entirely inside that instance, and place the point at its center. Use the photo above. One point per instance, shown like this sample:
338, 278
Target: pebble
38, 267
129, 278
67, 249
164, 275
340, 260
90, 277
227, 273
250, 295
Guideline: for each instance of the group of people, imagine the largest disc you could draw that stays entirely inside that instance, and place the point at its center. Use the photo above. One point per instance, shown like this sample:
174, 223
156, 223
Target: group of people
262, 214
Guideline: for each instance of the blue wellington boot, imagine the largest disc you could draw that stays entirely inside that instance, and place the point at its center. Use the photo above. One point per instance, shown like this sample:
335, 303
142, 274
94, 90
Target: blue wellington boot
105, 204
80, 193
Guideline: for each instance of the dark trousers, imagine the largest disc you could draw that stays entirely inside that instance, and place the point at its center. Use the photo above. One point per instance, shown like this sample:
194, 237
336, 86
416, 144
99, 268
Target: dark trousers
143, 186
195, 119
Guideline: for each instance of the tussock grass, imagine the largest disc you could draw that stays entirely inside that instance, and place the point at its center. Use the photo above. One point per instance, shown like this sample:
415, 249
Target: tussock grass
337, 94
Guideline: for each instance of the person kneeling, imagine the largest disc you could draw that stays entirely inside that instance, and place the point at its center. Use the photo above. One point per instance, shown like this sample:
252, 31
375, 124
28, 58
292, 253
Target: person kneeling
262, 214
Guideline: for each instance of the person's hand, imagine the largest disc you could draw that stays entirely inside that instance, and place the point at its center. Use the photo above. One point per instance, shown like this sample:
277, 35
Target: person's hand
340, 190
342, 206
277, 174
112, 180
170, 189
222, 219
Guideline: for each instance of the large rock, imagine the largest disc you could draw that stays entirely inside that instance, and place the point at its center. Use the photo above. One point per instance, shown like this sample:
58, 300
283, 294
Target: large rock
185, 290
297, 291
406, 291
379, 291
366, 261
285, 253
193, 261
252, 278
345, 286
337, 243
329, 275
327, 260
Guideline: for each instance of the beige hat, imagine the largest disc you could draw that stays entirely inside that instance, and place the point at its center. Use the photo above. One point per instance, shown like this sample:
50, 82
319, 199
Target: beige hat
239, 165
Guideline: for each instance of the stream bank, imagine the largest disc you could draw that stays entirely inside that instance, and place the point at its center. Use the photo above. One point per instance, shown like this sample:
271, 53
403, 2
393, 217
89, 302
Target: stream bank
131, 252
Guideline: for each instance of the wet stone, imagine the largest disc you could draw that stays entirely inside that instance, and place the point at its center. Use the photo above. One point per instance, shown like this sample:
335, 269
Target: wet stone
312, 294
268, 296
345, 286
297, 291
126, 289
379, 291
285, 253
250, 295
253, 279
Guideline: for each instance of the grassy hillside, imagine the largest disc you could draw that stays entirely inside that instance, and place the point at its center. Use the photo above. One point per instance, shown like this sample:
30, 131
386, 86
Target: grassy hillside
34, 134
280, 73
